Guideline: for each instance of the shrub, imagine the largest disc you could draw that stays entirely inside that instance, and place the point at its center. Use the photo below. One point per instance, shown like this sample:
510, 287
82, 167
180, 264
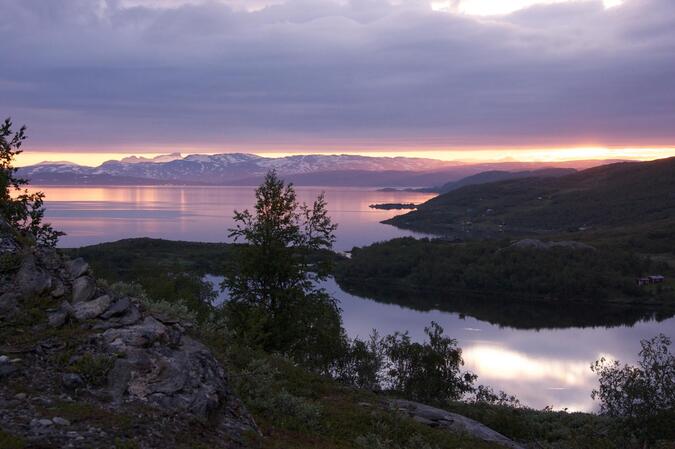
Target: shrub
363, 363
643, 396
486, 395
93, 368
122, 289
383, 436
427, 372
176, 309
259, 386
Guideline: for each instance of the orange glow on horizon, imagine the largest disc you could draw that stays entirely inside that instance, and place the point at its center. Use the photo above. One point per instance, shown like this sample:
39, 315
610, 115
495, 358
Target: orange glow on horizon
30, 157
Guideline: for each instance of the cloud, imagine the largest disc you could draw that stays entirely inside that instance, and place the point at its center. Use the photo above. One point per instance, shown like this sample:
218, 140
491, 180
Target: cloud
118, 73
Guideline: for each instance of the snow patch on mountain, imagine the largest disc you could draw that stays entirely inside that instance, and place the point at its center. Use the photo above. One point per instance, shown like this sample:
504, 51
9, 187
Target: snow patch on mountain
156, 159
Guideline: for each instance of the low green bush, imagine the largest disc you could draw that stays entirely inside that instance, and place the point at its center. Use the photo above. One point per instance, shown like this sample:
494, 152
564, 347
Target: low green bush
93, 368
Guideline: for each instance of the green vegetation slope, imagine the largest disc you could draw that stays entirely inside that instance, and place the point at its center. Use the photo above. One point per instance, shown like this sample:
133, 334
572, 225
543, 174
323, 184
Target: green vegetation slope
610, 196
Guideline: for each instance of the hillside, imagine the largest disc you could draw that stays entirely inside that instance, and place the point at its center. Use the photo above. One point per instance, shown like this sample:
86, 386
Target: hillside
621, 194
500, 175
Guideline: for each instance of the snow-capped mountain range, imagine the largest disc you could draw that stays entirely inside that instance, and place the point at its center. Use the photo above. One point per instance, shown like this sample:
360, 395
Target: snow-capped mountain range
227, 168
248, 169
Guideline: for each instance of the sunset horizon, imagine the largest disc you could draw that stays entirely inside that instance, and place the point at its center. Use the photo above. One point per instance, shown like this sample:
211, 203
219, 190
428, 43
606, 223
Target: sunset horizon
557, 155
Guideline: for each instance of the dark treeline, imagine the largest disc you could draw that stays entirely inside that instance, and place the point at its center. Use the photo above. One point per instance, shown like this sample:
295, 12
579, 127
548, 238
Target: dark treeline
497, 269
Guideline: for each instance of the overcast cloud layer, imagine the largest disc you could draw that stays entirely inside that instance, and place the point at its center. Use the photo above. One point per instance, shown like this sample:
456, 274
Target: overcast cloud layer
116, 73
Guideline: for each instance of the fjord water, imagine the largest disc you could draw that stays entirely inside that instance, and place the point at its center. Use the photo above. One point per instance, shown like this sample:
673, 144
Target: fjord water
92, 215
545, 366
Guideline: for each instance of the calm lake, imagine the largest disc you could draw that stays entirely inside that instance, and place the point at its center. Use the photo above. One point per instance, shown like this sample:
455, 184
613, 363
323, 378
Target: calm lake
541, 367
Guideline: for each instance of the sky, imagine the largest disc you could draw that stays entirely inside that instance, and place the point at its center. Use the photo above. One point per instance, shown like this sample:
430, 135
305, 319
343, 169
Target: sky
452, 79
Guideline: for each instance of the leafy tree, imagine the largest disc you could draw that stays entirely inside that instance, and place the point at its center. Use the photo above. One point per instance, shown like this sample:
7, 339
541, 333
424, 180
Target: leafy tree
23, 210
427, 372
363, 363
643, 395
274, 299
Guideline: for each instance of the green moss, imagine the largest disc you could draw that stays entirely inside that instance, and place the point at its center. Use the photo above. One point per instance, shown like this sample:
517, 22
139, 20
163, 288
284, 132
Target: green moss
9, 441
9, 262
78, 412
125, 444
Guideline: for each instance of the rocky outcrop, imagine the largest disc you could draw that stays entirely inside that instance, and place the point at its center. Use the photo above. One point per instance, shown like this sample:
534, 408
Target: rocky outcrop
78, 342
435, 417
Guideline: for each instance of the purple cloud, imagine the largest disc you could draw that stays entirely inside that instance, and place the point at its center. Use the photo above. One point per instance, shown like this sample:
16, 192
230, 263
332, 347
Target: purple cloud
84, 73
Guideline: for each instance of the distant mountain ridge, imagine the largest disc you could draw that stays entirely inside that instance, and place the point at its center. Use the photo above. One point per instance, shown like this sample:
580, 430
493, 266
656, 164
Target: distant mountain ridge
248, 169
497, 175
494, 176
156, 159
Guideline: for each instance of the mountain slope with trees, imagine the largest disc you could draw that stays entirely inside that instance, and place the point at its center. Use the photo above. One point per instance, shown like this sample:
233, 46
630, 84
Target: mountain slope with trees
498, 175
622, 194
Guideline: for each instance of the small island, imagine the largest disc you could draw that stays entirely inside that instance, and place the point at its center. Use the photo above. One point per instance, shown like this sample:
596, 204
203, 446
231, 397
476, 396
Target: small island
393, 206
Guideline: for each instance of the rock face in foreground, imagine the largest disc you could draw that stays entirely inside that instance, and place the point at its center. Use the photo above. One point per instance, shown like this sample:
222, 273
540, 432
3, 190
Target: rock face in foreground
82, 367
435, 417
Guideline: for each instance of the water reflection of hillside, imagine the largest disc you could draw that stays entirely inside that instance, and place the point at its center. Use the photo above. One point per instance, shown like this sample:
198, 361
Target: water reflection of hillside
515, 313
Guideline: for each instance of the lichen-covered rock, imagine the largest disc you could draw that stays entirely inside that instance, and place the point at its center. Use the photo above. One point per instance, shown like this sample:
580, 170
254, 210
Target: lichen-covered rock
91, 309
57, 318
131, 316
32, 279
119, 307
140, 335
439, 418
84, 289
77, 267
126, 360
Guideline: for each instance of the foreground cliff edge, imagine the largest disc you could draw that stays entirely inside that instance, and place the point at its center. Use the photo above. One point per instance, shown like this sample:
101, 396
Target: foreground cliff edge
83, 367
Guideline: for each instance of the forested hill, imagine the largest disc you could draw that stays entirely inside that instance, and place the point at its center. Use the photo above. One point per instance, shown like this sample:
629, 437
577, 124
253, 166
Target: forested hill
614, 195
500, 175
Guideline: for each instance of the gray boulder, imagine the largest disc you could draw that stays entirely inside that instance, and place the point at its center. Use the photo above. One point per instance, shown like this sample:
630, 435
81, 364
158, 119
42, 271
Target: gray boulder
72, 381
32, 280
57, 318
59, 289
184, 378
119, 307
77, 267
60, 316
91, 309
84, 288
453, 422
140, 335
131, 316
